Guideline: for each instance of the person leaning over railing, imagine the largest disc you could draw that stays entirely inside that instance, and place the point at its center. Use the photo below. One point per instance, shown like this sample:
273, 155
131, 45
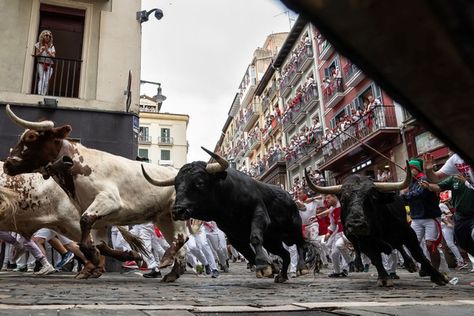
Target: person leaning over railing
44, 49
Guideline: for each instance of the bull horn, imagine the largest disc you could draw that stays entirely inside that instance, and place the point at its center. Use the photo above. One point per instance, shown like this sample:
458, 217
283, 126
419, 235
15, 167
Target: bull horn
394, 186
158, 183
37, 126
221, 165
335, 189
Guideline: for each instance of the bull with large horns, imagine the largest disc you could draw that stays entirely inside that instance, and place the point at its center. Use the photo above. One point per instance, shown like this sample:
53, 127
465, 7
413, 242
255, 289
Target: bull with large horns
374, 220
254, 215
103, 187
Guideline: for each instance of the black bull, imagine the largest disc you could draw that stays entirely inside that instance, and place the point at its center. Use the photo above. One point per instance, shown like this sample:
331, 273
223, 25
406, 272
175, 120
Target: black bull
249, 212
375, 221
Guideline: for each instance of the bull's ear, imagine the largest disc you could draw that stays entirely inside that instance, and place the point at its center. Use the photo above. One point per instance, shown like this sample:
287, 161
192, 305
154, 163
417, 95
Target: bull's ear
62, 131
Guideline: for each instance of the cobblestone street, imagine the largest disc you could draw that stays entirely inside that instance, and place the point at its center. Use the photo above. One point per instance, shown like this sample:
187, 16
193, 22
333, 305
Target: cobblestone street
237, 291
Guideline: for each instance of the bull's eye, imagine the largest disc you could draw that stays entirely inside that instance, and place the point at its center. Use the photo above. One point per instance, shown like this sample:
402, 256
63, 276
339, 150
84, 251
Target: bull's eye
199, 185
31, 137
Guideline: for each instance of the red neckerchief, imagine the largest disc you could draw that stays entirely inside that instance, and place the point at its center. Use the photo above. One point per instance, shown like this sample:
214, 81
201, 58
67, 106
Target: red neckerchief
419, 176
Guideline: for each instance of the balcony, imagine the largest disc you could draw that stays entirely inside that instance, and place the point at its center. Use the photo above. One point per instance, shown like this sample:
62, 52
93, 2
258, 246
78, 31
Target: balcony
252, 144
144, 139
310, 97
274, 170
352, 75
298, 113
378, 129
265, 103
165, 141
300, 155
287, 122
305, 58
285, 86
267, 134
333, 93
272, 90
326, 49
249, 119
293, 74
65, 77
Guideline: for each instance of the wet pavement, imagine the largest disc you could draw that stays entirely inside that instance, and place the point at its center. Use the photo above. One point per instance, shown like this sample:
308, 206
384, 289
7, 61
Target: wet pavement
238, 291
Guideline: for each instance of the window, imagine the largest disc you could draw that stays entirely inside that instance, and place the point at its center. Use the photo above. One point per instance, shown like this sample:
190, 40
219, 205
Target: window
143, 153
329, 71
342, 112
372, 90
67, 28
165, 135
165, 155
144, 134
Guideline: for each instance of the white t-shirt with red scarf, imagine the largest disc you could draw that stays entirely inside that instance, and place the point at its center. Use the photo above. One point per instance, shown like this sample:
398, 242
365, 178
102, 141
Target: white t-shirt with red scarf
455, 165
335, 218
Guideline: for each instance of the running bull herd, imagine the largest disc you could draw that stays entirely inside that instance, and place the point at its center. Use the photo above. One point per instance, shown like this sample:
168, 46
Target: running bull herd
52, 182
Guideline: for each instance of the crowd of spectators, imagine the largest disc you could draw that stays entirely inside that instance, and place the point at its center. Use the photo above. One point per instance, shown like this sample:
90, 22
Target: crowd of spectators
362, 118
316, 177
292, 66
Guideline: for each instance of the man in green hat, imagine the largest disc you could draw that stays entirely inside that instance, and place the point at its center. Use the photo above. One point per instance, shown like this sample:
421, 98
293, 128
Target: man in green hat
424, 211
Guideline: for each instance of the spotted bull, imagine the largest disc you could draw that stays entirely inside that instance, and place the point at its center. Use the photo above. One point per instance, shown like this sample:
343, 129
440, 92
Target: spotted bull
253, 214
28, 202
107, 189
374, 220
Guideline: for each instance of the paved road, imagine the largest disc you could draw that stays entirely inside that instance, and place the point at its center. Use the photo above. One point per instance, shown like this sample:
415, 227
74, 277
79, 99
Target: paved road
239, 290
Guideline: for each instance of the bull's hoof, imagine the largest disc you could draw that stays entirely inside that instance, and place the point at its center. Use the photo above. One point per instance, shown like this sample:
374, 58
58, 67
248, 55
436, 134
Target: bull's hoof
170, 278
280, 278
97, 273
86, 272
439, 278
385, 282
166, 262
82, 275
302, 271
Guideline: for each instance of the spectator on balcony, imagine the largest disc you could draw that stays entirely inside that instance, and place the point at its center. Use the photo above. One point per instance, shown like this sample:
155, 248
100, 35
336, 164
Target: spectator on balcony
355, 115
373, 102
337, 77
44, 49
386, 174
307, 41
379, 175
277, 111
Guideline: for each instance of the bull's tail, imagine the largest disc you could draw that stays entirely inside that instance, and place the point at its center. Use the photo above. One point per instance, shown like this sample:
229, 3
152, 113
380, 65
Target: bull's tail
8, 202
135, 242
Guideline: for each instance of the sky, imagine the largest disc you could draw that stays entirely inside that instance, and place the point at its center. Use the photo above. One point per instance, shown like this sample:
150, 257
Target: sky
199, 52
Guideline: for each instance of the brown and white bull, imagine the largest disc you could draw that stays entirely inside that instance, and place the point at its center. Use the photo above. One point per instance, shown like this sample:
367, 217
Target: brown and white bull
107, 189
28, 202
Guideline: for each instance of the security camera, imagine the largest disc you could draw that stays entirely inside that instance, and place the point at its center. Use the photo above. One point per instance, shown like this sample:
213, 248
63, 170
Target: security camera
142, 16
158, 14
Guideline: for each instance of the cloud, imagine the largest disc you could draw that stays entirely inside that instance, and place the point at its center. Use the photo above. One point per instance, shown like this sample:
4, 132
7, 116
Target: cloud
199, 52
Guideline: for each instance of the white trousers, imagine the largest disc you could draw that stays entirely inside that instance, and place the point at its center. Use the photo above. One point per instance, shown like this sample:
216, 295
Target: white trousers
43, 79
339, 248
218, 244
448, 234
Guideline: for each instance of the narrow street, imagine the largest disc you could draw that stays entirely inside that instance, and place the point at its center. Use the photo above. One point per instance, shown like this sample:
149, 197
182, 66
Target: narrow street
237, 291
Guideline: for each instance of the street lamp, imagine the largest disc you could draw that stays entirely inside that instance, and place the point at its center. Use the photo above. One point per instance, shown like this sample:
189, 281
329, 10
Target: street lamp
159, 98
